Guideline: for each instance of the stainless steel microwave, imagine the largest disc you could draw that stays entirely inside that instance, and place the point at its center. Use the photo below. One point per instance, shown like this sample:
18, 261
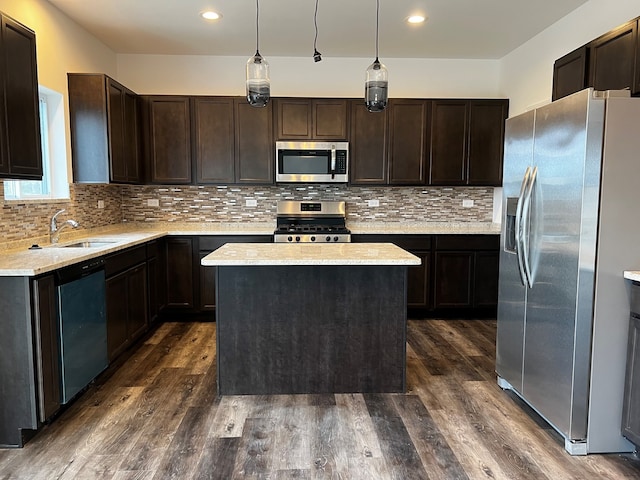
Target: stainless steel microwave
312, 162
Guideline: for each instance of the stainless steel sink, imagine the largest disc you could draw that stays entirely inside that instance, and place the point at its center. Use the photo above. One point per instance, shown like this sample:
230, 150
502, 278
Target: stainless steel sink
89, 244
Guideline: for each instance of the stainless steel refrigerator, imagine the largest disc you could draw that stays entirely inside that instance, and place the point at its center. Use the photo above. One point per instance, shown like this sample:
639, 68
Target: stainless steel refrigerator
570, 227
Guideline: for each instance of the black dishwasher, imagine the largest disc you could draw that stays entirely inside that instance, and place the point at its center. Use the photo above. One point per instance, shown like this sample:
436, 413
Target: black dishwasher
82, 325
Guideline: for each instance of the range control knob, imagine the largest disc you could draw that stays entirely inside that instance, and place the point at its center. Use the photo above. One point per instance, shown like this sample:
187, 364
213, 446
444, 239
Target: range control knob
335, 239
297, 239
290, 239
313, 239
328, 239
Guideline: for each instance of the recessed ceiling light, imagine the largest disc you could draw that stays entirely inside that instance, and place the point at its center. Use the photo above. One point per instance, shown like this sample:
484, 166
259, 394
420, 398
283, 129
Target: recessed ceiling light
210, 15
414, 19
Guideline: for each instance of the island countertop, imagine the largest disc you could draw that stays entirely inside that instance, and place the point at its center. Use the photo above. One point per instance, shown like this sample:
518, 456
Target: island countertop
254, 254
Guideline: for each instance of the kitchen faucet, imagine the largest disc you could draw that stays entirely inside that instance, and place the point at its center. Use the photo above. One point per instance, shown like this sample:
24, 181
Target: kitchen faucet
54, 231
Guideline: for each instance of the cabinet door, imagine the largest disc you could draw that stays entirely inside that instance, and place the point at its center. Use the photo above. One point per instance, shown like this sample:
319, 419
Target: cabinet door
117, 292
118, 164
485, 290
207, 285
408, 120
213, 139
330, 119
180, 278
448, 153
293, 119
631, 401
254, 148
131, 147
137, 318
368, 145
453, 279
570, 73
486, 139
47, 347
612, 59
21, 150
419, 282
169, 140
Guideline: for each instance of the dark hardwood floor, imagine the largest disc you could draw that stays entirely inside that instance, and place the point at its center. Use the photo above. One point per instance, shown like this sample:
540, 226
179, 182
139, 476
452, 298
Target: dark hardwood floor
158, 417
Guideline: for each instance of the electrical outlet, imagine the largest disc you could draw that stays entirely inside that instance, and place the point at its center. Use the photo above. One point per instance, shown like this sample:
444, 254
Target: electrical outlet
251, 202
373, 203
100, 203
153, 202
467, 203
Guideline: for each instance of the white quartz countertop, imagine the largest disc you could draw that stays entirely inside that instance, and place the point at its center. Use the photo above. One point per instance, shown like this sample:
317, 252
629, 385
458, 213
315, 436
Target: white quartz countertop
255, 254
632, 275
17, 260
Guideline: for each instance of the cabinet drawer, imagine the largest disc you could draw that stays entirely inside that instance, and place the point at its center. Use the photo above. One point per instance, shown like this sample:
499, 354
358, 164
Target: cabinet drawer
408, 242
153, 249
467, 242
120, 261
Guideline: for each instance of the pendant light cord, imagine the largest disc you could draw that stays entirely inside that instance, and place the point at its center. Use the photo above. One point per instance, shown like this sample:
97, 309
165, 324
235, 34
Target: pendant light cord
315, 22
377, 25
257, 26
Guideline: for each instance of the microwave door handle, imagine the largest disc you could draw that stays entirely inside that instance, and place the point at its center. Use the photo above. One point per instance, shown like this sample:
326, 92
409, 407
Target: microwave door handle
333, 162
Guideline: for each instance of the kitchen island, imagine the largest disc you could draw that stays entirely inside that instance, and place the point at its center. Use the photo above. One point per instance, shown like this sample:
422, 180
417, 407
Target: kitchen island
310, 318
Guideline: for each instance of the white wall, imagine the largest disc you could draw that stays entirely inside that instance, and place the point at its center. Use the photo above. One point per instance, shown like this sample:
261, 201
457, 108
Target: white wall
526, 74
61, 47
290, 76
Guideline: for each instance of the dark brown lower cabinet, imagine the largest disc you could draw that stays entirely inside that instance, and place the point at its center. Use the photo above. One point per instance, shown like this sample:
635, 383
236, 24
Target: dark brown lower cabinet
126, 295
156, 286
631, 403
453, 279
458, 274
181, 282
47, 346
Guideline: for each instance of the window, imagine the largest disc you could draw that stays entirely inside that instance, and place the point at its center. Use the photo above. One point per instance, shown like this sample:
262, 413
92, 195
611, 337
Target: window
54, 184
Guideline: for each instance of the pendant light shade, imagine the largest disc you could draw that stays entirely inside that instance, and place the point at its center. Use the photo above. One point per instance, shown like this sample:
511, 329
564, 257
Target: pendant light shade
376, 87
258, 83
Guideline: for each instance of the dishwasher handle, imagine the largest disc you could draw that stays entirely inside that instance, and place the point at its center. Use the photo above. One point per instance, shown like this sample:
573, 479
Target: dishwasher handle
79, 270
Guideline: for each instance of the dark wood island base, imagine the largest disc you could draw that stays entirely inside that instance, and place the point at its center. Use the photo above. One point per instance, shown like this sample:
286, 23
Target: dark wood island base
311, 329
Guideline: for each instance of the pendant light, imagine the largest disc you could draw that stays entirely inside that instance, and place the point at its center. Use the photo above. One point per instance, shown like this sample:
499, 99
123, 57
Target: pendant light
258, 84
376, 87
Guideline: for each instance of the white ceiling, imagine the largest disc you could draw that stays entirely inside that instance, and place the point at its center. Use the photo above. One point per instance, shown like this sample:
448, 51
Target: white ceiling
487, 29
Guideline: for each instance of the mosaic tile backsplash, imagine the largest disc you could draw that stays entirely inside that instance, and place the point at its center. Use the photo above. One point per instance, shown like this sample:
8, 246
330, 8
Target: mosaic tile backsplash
227, 204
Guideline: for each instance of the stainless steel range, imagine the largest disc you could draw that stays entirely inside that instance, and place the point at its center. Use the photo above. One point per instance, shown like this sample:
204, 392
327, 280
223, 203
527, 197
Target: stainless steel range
308, 221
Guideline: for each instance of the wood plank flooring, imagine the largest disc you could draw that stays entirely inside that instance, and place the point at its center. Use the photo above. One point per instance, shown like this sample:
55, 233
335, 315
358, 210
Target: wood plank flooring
158, 417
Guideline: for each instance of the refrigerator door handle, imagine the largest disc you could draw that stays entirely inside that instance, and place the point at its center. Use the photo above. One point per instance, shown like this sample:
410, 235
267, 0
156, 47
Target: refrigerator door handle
526, 211
518, 227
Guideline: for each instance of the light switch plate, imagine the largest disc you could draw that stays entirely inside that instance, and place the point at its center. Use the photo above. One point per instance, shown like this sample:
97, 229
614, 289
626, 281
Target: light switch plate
153, 202
251, 202
100, 203
467, 203
373, 203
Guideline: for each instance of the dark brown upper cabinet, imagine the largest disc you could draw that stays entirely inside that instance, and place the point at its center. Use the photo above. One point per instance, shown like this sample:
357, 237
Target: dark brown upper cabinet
20, 148
168, 139
254, 145
311, 119
610, 62
486, 141
233, 141
467, 142
408, 138
105, 130
213, 129
368, 145
613, 58
449, 133
570, 73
